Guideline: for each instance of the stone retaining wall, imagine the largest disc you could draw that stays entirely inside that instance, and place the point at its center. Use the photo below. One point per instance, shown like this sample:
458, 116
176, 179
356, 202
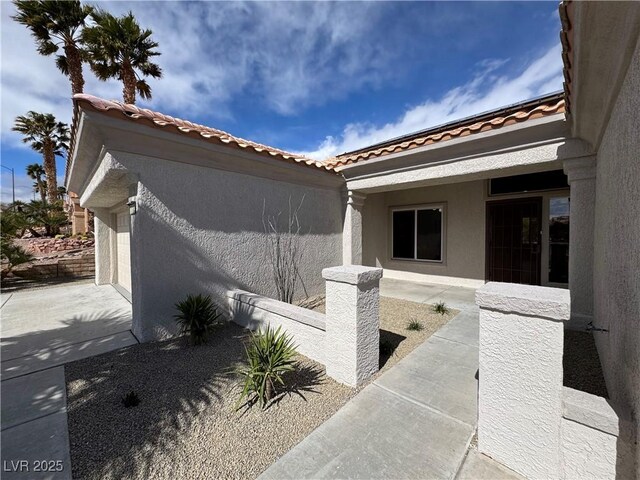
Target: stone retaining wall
77, 266
38, 246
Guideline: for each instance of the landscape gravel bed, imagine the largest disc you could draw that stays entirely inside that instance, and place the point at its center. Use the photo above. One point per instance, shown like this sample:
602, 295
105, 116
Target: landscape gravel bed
185, 425
395, 314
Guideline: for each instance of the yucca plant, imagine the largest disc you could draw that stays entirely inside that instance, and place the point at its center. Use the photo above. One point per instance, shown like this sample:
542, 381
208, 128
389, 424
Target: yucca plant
270, 355
441, 308
197, 317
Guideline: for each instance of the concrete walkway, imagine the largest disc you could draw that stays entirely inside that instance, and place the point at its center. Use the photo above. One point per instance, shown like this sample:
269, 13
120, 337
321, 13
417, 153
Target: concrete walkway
414, 421
42, 329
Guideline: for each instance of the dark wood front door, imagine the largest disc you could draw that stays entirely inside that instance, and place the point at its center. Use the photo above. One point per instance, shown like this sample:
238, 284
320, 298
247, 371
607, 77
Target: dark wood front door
513, 240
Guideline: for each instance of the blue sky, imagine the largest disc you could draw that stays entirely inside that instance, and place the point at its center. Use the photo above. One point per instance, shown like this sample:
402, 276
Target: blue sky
315, 78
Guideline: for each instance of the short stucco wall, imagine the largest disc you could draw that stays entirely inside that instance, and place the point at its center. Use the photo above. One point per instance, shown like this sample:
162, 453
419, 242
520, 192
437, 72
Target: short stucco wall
346, 340
616, 285
520, 376
595, 442
200, 229
464, 238
305, 326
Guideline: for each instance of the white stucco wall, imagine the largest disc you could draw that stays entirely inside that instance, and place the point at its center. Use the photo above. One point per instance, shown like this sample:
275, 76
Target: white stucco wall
346, 340
353, 322
520, 376
464, 236
594, 439
617, 247
304, 326
199, 229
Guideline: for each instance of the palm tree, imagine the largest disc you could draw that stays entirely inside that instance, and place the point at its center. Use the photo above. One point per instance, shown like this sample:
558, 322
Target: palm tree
35, 171
56, 25
51, 216
48, 137
118, 48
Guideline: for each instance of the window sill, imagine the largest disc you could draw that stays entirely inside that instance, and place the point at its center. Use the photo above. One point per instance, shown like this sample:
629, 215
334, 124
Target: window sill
417, 260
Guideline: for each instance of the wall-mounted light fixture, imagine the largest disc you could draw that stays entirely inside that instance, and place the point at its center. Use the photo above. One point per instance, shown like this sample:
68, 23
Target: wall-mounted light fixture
131, 203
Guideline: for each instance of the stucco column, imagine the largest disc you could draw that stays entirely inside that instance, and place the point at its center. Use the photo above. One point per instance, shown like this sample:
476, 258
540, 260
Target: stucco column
581, 173
352, 230
352, 323
102, 235
520, 377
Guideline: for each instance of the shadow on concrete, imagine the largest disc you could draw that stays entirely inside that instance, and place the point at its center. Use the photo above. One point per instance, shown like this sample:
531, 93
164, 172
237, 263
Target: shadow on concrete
18, 284
83, 335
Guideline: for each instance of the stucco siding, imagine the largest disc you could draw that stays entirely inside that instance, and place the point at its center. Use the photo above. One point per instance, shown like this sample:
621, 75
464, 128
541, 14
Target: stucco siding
200, 229
617, 246
464, 229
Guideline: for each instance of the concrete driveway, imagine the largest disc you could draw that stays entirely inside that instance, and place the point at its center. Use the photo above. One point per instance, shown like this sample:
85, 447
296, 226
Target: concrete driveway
42, 329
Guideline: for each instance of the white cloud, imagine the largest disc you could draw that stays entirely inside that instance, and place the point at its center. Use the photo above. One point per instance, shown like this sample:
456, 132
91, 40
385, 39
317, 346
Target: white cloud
487, 90
285, 55
32, 82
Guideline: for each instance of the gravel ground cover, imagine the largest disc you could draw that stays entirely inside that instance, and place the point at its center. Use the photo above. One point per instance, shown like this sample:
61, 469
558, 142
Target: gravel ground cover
581, 363
185, 425
395, 314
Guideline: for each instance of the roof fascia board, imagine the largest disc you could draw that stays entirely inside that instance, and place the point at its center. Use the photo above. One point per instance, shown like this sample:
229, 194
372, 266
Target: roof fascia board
514, 136
510, 161
125, 136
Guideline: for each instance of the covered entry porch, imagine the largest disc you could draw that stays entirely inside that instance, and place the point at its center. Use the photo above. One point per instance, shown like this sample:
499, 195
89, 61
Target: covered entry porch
513, 205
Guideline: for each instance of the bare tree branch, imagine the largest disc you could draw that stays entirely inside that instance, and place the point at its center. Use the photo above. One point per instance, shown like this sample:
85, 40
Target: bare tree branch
283, 249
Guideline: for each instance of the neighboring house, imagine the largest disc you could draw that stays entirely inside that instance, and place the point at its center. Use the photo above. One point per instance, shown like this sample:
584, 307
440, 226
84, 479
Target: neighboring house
78, 216
545, 192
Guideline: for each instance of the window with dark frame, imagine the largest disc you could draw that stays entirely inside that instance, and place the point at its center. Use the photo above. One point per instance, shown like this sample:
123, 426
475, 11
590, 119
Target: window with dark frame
417, 233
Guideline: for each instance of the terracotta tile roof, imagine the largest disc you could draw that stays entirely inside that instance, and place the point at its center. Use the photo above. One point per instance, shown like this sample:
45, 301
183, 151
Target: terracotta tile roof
566, 39
175, 125
537, 108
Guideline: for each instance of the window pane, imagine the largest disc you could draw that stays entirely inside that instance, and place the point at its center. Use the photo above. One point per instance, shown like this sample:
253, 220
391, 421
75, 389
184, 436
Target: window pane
430, 234
529, 182
559, 240
403, 234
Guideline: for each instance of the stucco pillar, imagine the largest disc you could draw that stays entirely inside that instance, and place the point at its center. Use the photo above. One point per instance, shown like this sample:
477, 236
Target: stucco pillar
102, 235
581, 173
352, 230
352, 323
520, 377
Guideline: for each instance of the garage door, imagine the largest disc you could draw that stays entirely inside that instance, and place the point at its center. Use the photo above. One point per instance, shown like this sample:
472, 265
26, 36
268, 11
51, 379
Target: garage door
123, 251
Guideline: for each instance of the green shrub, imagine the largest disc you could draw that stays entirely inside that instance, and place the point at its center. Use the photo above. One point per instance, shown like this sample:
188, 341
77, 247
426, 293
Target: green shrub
13, 254
415, 326
270, 355
441, 308
59, 236
131, 399
197, 317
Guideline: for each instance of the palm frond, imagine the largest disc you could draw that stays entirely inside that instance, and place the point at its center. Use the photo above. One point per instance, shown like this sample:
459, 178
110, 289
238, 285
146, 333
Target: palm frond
62, 64
116, 44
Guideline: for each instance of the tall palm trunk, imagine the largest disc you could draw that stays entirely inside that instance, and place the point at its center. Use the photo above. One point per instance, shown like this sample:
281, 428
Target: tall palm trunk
74, 64
50, 171
41, 189
129, 83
